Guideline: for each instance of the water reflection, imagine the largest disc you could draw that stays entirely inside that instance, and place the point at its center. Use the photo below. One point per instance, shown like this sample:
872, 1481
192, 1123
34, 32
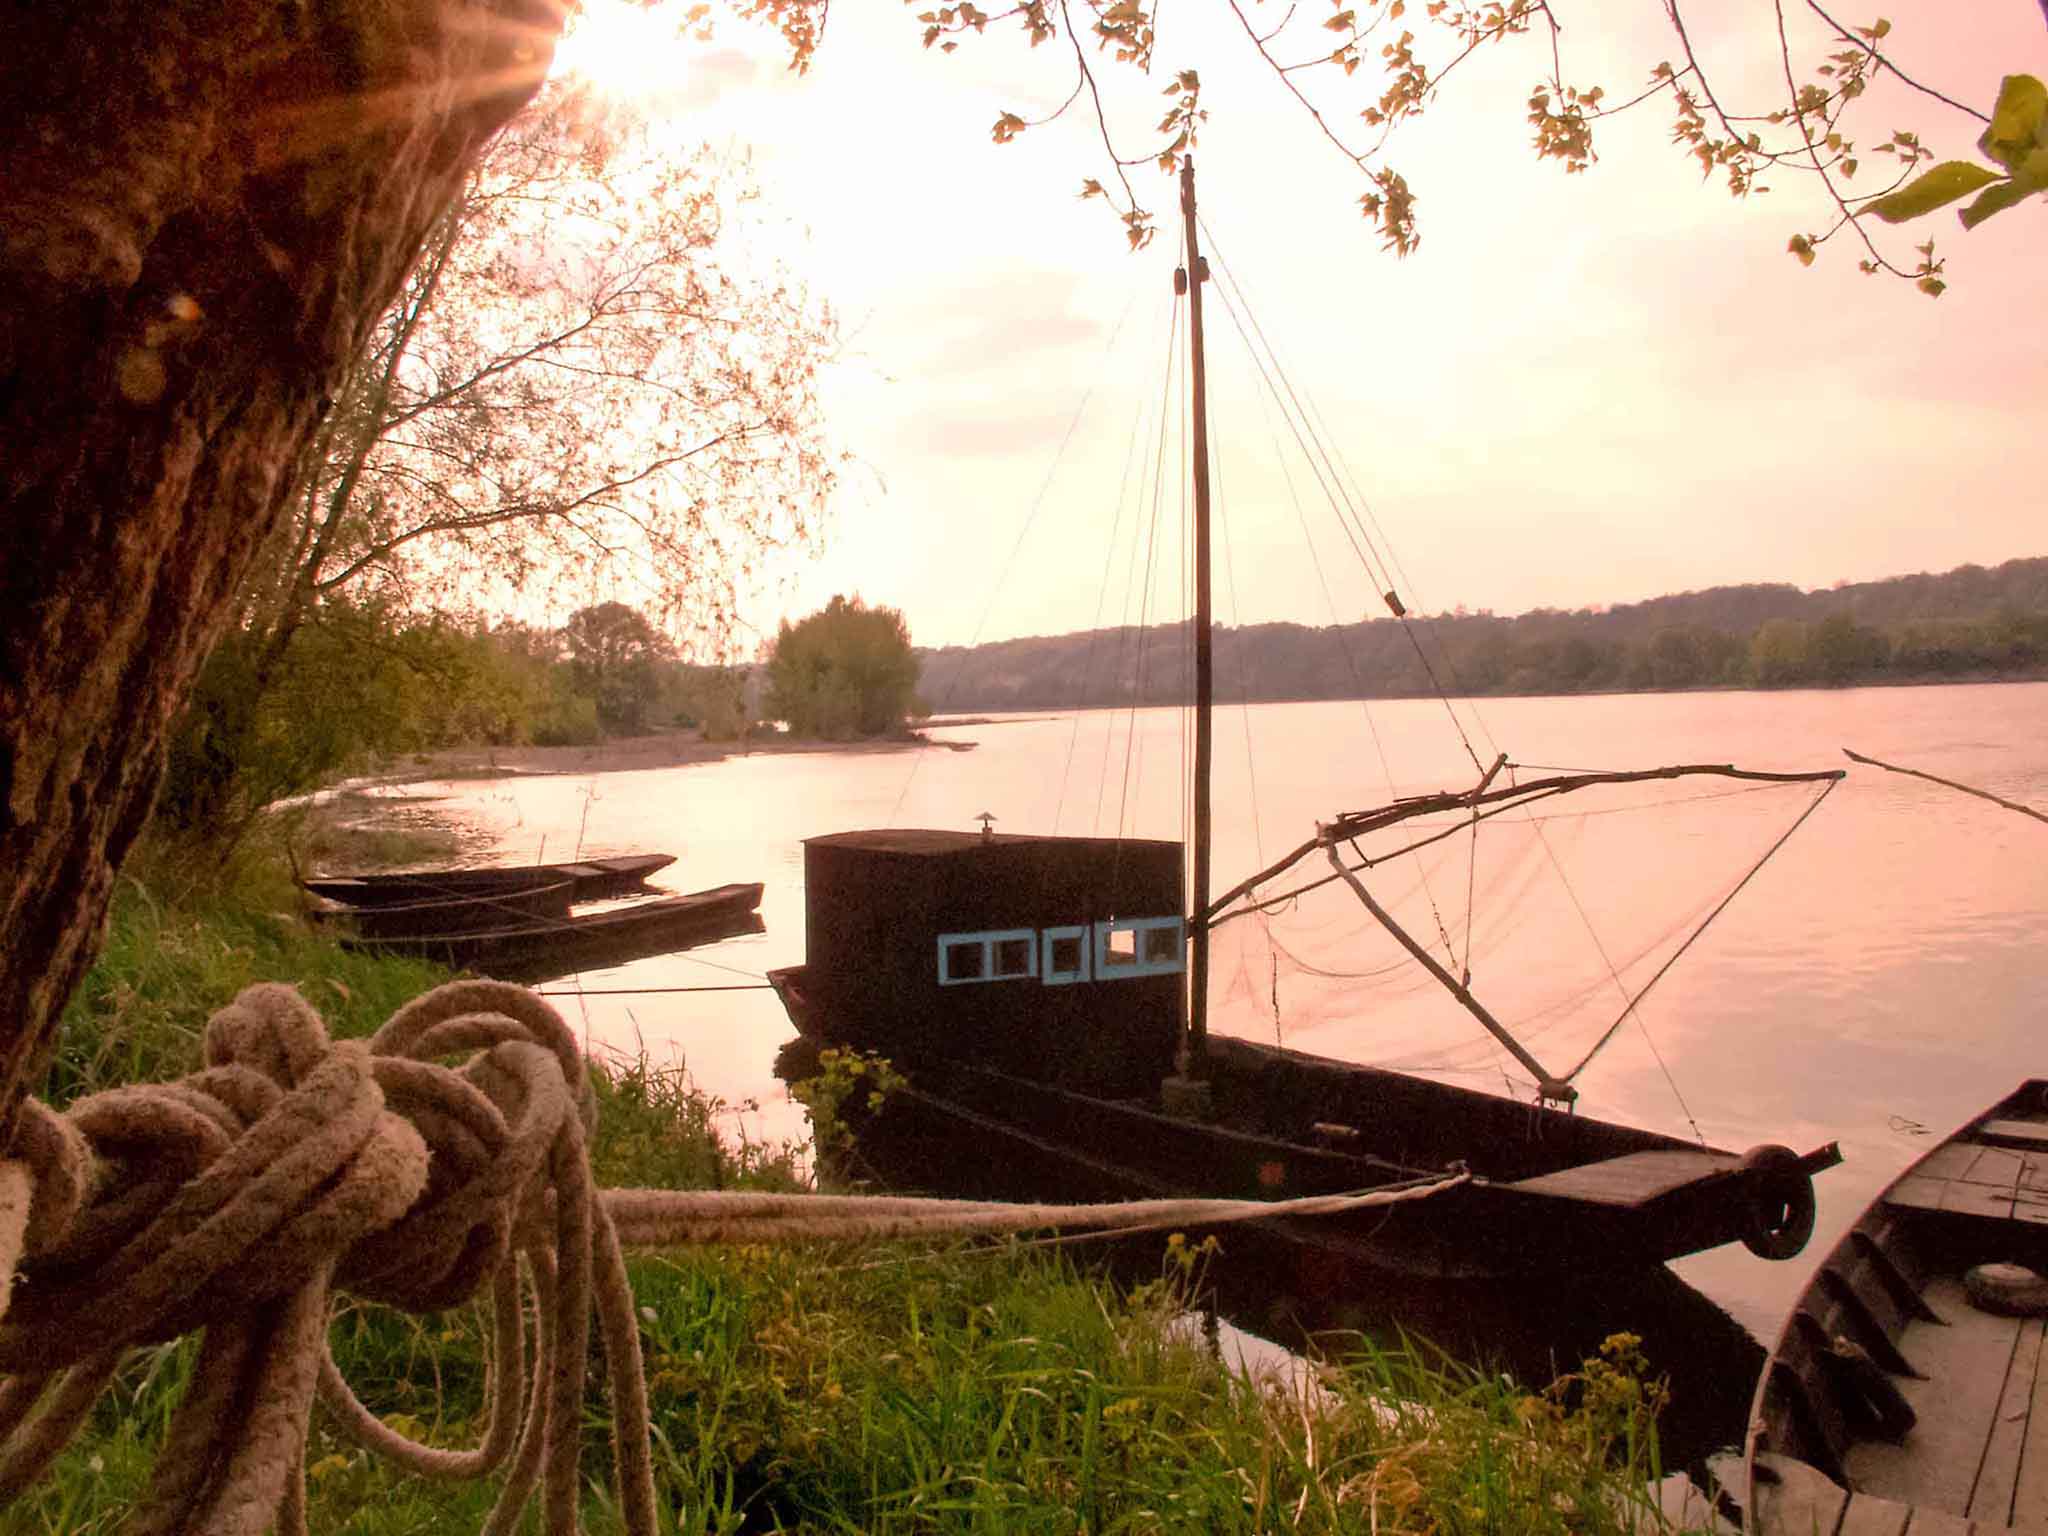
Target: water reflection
1883, 968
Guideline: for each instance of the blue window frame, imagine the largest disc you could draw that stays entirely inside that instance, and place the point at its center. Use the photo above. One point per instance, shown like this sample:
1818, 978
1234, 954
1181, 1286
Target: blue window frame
1063, 955
996, 954
1126, 947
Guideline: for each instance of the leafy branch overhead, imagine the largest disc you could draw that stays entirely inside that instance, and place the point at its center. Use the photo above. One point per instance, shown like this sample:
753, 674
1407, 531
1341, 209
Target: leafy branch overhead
2016, 141
1366, 67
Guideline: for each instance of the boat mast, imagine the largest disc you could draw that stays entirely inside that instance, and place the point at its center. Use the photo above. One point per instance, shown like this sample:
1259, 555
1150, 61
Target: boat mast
1192, 278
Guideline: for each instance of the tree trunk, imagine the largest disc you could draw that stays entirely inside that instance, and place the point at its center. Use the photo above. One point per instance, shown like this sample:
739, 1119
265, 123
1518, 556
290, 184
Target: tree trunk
207, 205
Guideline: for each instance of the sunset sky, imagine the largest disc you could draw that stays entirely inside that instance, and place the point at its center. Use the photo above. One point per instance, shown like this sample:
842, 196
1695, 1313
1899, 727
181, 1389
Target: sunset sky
1581, 390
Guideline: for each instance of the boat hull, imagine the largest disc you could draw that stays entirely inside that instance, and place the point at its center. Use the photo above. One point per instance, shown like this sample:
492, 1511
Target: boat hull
1550, 1193
510, 908
540, 950
1892, 1399
589, 880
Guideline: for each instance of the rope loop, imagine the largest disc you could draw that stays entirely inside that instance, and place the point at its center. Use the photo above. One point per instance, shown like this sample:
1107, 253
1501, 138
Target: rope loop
237, 1201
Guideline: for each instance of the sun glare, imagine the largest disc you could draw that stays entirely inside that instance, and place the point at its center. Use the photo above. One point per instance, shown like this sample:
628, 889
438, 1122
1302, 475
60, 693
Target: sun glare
626, 49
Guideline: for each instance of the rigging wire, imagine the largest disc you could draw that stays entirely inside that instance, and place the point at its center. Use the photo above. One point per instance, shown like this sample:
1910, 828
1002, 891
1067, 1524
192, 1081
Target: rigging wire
1453, 829
1133, 747
1024, 532
1354, 527
1722, 906
1322, 576
1244, 691
1422, 655
1101, 596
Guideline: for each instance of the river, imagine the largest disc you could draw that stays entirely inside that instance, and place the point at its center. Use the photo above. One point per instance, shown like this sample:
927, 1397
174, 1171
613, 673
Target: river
1879, 979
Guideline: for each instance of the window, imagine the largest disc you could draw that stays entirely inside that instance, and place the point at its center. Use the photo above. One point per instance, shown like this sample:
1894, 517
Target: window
1139, 946
1065, 956
1013, 956
1008, 954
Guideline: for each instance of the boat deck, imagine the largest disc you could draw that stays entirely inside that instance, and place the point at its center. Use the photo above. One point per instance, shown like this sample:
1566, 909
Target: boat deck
1630, 1181
1976, 1457
1980, 1450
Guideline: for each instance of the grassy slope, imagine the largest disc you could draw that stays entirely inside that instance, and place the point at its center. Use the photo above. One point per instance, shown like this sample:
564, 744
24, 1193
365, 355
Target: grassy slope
839, 1390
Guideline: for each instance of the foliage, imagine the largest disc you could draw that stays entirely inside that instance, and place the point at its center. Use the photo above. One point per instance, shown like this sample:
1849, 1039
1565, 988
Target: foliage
264, 724
1799, 128
847, 1087
971, 1390
179, 948
2016, 140
845, 671
716, 700
576, 381
1970, 621
613, 659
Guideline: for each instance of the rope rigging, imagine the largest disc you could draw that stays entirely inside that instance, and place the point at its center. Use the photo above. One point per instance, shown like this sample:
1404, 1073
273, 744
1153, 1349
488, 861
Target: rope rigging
243, 1200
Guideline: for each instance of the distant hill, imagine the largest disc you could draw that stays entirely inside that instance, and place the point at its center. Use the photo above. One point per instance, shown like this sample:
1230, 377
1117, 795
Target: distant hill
1971, 622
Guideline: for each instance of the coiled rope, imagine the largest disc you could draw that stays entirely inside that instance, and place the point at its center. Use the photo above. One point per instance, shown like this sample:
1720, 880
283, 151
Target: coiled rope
240, 1198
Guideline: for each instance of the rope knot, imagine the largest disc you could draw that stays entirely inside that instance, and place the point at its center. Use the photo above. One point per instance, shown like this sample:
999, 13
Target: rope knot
235, 1199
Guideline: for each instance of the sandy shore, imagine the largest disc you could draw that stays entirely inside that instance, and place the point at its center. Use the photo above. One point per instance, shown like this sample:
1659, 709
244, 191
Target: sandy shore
660, 749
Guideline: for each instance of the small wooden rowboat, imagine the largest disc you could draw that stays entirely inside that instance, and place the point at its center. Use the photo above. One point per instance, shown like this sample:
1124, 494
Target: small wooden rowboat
1907, 1395
555, 946
589, 880
511, 908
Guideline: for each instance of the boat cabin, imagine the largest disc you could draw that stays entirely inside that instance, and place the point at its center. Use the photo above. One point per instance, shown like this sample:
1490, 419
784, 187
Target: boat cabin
1056, 958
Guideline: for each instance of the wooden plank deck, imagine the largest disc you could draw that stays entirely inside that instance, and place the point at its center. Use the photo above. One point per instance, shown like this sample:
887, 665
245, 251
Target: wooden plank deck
1965, 1360
2015, 1133
1629, 1181
1973, 1179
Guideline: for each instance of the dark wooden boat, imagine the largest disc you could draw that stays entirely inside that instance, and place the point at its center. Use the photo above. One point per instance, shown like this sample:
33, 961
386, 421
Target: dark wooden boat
1904, 1395
511, 908
1039, 1033
589, 880
554, 946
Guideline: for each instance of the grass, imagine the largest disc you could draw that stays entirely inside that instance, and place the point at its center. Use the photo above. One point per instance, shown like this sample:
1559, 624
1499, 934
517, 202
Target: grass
841, 1389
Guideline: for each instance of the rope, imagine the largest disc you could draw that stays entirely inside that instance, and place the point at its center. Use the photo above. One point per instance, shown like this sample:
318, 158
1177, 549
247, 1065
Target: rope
241, 1198
1629, 1006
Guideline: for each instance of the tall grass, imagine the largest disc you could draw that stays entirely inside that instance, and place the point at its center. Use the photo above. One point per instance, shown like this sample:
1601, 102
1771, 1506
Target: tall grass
842, 1388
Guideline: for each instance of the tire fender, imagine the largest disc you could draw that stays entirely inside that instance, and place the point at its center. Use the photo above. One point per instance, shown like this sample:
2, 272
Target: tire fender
1781, 1203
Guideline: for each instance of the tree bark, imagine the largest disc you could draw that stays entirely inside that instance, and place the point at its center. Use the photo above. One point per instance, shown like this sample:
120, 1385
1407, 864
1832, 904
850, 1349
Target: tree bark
207, 204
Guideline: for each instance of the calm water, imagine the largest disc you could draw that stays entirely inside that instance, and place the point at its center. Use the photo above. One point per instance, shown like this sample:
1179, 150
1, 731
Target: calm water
1882, 973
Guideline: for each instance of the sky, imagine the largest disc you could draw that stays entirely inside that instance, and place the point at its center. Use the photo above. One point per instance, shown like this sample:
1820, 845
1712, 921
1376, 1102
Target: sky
1580, 390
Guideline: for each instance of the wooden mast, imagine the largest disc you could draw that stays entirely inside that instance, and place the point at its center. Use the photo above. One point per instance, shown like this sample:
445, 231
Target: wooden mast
1198, 961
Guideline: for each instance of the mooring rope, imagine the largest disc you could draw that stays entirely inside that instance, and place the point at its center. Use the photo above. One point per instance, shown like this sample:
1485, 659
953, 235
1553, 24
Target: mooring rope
239, 1199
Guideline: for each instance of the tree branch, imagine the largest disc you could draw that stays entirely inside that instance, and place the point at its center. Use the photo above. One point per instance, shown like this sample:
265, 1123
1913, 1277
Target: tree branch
1915, 773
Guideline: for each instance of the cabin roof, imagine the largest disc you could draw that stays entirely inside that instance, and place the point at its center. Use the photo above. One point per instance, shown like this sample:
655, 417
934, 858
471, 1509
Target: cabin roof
931, 840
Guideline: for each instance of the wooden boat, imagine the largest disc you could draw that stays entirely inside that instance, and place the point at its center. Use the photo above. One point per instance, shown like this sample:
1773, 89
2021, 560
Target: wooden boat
552, 947
589, 880
1039, 1036
1906, 1392
510, 908
1047, 999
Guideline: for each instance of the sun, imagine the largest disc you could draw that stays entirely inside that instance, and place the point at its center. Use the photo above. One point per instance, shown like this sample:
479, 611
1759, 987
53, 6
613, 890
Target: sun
628, 50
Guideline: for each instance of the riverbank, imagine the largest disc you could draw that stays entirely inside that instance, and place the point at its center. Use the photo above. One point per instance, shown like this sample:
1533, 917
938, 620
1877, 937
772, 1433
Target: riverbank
884, 1388
657, 749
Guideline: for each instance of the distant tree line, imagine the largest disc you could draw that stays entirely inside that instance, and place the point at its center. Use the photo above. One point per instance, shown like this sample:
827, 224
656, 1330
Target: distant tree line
365, 681
1971, 622
360, 681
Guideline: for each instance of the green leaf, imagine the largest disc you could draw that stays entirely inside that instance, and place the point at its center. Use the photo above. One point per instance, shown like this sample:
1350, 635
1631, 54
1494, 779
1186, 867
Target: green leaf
2016, 122
1930, 190
1994, 200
